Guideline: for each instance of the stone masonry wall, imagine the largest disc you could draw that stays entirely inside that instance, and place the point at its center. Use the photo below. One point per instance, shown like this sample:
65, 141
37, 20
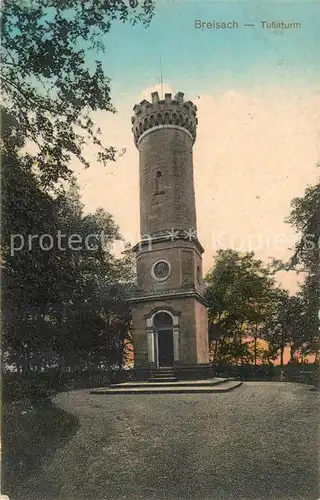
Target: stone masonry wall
167, 198
201, 317
183, 258
192, 317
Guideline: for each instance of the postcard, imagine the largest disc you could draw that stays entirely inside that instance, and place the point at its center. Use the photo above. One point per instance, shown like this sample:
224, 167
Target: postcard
160, 249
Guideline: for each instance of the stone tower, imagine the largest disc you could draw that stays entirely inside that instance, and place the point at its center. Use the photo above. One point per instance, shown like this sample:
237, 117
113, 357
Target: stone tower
169, 311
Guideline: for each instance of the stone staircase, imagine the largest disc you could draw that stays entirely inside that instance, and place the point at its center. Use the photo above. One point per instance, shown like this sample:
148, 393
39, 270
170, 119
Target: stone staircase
163, 375
166, 383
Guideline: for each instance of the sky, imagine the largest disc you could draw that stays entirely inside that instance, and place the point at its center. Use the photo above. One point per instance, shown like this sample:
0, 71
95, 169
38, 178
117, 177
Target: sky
257, 94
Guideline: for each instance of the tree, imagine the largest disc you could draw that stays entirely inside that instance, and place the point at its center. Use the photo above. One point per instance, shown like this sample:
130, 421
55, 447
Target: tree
49, 84
305, 218
238, 290
285, 326
61, 304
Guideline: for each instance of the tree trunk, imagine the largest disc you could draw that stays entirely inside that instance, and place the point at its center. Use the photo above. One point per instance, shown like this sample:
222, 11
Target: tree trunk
292, 351
255, 351
240, 344
120, 359
220, 348
281, 354
255, 344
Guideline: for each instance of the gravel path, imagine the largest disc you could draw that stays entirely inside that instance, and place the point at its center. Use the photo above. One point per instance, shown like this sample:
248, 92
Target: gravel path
256, 442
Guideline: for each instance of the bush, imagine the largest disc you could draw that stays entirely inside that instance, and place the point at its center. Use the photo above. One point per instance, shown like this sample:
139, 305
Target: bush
16, 387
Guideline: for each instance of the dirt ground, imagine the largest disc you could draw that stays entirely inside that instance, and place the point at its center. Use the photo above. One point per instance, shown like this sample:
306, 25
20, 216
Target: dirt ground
259, 441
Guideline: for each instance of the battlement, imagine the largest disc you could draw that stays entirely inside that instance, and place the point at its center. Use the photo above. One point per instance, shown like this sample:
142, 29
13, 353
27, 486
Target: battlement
164, 112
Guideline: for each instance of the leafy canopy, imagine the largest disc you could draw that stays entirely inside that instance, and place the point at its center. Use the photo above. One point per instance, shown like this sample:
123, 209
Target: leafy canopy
49, 85
59, 305
305, 218
239, 292
238, 286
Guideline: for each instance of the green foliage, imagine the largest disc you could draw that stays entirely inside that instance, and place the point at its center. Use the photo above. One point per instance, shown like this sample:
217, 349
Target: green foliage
305, 218
239, 290
66, 305
250, 319
283, 320
244, 303
50, 85
285, 326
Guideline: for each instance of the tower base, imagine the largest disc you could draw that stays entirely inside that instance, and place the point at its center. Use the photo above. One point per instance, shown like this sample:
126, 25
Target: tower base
171, 334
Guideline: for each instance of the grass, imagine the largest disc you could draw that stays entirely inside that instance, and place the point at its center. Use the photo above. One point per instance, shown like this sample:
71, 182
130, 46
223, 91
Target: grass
31, 433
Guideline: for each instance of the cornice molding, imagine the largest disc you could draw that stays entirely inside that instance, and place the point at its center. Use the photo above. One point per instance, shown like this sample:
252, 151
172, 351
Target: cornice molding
168, 294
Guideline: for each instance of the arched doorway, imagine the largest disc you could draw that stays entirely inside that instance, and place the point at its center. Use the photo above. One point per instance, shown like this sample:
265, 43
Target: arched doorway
163, 325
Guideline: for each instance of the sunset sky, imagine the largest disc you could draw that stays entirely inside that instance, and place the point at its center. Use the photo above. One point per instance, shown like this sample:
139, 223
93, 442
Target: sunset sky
258, 111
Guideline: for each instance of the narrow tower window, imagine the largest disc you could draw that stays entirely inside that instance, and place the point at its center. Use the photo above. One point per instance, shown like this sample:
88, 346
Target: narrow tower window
159, 188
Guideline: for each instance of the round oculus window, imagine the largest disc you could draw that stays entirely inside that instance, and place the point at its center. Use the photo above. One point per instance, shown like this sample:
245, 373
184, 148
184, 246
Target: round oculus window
161, 270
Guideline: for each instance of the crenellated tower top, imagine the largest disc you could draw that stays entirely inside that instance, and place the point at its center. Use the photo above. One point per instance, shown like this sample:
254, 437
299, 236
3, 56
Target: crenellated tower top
167, 112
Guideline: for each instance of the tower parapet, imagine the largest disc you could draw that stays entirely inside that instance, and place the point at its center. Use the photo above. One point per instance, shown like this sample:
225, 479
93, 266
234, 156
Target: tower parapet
167, 112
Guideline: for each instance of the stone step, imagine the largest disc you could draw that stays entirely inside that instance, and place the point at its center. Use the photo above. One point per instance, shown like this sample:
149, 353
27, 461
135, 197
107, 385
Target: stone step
175, 383
158, 380
161, 373
226, 386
